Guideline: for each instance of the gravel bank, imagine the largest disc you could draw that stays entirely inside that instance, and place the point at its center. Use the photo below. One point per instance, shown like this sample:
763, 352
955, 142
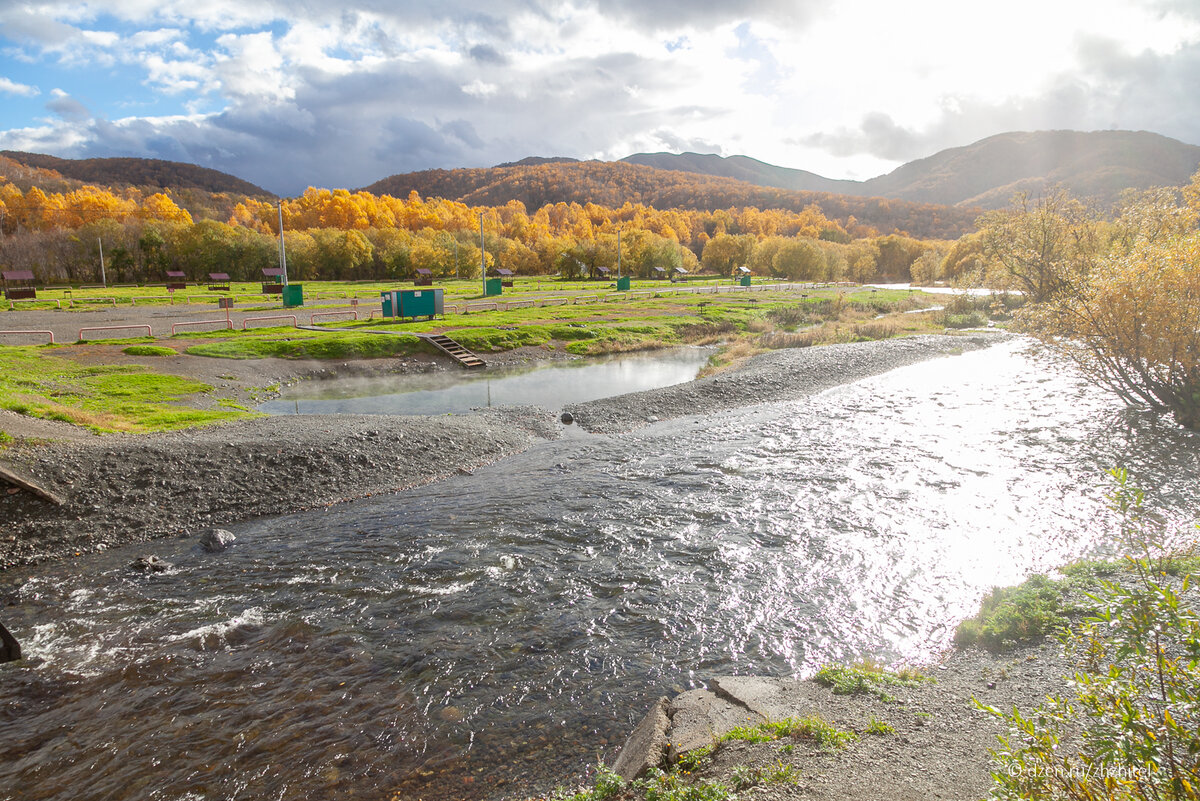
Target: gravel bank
121, 489
939, 743
774, 376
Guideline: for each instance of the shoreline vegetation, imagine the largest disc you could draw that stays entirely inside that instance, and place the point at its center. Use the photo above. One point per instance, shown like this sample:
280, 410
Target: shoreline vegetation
1080, 685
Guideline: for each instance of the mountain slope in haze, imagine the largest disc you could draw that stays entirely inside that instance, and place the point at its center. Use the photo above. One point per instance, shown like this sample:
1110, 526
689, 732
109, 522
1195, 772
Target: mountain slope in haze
744, 168
154, 173
614, 183
1097, 165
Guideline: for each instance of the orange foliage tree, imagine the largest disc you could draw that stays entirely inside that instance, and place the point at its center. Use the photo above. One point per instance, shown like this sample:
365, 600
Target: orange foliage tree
1132, 320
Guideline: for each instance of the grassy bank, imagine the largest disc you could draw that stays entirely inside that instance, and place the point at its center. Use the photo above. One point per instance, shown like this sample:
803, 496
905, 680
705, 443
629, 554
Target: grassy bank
43, 382
104, 398
250, 292
765, 320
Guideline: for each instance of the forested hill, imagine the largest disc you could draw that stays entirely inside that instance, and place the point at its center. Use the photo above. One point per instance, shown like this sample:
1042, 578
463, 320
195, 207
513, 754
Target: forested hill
615, 183
1097, 165
145, 173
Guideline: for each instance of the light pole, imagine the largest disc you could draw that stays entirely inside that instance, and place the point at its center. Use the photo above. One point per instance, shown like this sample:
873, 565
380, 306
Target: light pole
282, 251
103, 280
482, 257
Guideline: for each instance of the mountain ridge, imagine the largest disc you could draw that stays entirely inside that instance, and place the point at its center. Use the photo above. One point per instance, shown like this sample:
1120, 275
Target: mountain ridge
986, 173
133, 171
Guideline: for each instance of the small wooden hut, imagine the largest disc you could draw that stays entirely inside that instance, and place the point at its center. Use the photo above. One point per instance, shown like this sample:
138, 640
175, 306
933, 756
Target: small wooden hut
176, 279
658, 272
424, 277
272, 281
18, 285
506, 276
218, 282
600, 272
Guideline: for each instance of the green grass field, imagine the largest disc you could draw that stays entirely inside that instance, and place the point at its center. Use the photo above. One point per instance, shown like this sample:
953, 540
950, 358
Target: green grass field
104, 398
36, 381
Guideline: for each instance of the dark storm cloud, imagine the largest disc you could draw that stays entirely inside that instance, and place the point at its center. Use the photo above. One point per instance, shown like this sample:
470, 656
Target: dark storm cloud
463, 131
68, 108
353, 129
486, 54
676, 14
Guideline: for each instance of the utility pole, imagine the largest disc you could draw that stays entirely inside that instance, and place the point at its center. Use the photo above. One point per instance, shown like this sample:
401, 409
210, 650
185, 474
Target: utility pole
282, 250
482, 256
456, 257
618, 253
103, 280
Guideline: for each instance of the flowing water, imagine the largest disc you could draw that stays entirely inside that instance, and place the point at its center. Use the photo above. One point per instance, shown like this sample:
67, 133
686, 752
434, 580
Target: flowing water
549, 386
493, 634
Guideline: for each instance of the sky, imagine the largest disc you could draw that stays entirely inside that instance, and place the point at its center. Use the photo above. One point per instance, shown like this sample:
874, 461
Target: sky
340, 94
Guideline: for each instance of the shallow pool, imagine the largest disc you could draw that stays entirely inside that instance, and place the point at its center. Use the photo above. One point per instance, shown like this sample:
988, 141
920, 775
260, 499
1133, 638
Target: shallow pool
549, 386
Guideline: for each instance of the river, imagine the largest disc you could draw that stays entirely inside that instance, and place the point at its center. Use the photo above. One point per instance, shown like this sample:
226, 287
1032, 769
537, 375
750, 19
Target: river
493, 634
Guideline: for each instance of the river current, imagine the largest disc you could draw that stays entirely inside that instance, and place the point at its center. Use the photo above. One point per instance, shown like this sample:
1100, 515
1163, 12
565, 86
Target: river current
493, 634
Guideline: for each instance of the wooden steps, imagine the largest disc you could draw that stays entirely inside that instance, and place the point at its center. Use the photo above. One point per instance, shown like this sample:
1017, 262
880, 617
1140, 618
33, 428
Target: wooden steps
455, 351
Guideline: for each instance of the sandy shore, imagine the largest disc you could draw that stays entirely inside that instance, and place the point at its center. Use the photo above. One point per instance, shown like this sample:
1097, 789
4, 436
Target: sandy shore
121, 489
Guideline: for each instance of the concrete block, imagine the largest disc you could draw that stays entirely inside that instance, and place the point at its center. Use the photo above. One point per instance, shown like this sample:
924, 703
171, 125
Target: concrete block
699, 717
647, 745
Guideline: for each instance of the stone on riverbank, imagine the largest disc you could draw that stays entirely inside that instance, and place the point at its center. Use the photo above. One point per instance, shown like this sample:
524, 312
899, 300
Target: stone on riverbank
698, 717
216, 539
150, 564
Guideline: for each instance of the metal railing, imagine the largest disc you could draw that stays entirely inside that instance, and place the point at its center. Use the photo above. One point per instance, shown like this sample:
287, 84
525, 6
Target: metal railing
175, 326
47, 333
291, 317
149, 333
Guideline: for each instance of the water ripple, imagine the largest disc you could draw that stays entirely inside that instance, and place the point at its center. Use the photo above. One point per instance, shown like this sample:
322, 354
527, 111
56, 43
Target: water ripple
489, 634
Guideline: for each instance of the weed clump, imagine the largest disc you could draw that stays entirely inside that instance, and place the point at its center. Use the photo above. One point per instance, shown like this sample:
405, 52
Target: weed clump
1010, 616
813, 727
867, 677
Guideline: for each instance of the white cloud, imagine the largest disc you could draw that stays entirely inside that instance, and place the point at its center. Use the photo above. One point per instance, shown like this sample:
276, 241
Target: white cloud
11, 87
251, 68
343, 94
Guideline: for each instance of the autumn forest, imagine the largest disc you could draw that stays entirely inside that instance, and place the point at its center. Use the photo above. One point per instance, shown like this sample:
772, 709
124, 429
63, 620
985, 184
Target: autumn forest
56, 228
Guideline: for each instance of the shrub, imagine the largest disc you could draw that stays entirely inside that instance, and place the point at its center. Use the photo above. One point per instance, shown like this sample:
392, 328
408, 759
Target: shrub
1134, 696
970, 320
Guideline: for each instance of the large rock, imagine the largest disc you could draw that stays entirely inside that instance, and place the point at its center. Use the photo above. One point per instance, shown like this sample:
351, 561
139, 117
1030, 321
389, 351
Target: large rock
10, 649
647, 747
774, 699
699, 718
216, 539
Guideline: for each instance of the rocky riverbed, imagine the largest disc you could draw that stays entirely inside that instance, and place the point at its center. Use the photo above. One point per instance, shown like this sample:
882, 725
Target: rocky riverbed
119, 489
